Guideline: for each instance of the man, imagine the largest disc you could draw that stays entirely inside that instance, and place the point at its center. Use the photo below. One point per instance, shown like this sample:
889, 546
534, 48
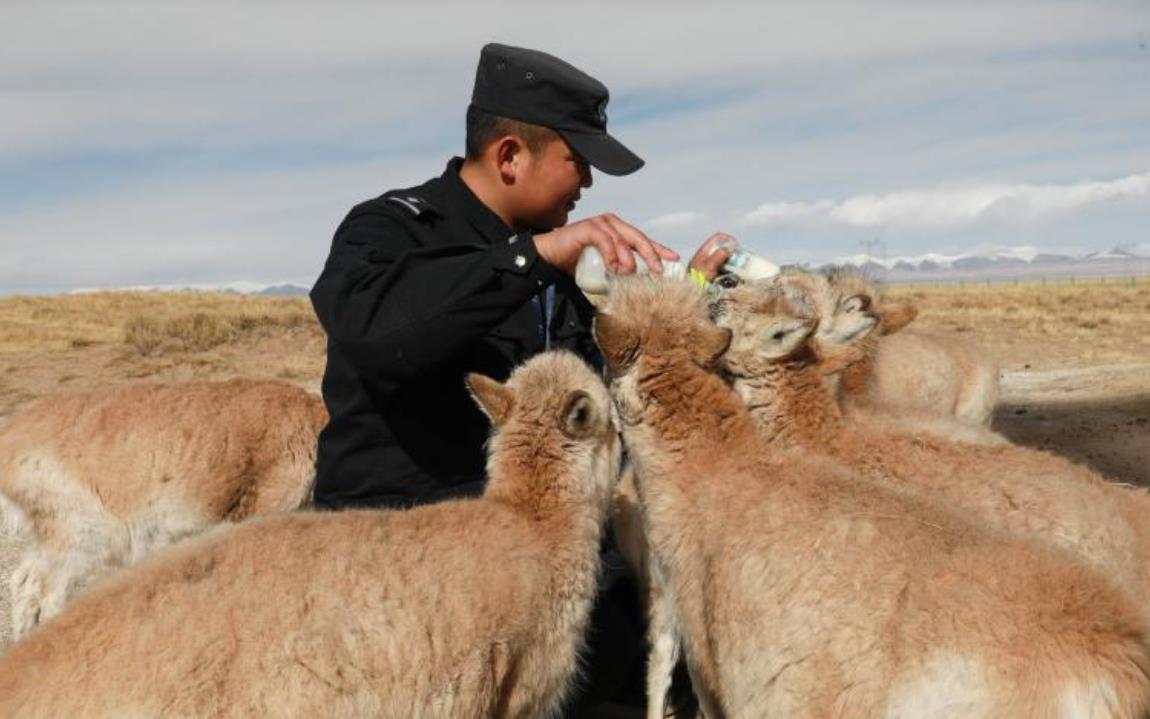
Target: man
471, 272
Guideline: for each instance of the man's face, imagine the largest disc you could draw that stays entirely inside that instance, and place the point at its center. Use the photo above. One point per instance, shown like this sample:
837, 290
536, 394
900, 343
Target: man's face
548, 185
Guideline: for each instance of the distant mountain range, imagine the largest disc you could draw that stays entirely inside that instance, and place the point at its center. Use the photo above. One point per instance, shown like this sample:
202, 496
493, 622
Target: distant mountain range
286, 290
1001, 263
998, 264
239, 287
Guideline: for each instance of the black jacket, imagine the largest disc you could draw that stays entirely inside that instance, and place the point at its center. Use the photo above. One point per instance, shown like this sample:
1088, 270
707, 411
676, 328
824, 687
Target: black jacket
422, 286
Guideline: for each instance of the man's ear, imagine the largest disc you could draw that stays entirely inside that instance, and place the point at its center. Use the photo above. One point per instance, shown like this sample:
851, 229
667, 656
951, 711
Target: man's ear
492, 397
618, 342
710, 342
507, 150
893, 316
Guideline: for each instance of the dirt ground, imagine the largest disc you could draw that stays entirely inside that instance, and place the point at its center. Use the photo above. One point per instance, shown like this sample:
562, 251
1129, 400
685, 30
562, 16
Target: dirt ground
1099, 416
1075, 359
1075, 362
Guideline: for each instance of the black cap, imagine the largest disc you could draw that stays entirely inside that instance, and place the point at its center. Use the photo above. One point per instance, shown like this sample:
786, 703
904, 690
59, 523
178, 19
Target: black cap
532, 86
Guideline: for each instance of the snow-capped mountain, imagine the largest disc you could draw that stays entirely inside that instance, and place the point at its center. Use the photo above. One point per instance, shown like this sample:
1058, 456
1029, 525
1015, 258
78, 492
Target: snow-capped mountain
1118, 253
934, 260
998, 262
239, 287
988, 263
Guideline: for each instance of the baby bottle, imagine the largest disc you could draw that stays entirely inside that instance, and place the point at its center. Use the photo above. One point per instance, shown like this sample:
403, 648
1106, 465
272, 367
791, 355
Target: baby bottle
591, 275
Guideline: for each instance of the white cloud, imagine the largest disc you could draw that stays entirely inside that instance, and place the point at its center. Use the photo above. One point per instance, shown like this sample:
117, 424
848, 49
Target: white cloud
259, 226
219, 140
127, 72
780, 213
955, 206
675, 219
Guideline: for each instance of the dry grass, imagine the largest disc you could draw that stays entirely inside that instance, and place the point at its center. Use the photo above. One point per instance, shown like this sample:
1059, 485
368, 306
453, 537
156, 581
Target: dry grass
148, 321
1041, 325
78, 342
201, 331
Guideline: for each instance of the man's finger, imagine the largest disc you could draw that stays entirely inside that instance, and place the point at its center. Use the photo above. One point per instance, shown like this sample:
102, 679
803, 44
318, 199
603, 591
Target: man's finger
712, 264
624, 261
713, 242
664, 252
639, 242
602, 242
623, 254
713, 254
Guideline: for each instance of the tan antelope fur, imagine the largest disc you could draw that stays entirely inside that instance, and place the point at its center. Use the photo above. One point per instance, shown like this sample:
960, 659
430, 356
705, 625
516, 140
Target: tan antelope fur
107, 476
467, 608
627, 525
907, 370
15, 536
1023, 491
803, 590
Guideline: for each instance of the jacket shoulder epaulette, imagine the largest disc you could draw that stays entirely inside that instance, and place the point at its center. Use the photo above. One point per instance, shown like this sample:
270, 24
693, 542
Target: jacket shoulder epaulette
412, 201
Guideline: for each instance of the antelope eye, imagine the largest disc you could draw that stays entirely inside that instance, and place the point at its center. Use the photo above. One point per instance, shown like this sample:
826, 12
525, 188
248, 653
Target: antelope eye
728, 281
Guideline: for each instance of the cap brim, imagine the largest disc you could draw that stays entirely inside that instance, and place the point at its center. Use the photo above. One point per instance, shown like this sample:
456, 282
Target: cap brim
603, 152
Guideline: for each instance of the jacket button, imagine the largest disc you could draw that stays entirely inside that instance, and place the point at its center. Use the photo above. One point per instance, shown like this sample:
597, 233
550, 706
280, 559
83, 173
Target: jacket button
520, 261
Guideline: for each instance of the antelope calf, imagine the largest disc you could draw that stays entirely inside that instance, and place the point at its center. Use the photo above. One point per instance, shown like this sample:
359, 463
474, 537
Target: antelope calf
799, 588
900, 370
107, 476
467, 608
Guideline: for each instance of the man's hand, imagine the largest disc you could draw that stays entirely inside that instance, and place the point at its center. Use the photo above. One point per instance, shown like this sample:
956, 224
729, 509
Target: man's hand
616, 240
709, 260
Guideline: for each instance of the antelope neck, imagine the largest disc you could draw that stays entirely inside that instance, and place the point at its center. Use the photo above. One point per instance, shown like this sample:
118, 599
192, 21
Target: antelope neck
791, 403
688, 403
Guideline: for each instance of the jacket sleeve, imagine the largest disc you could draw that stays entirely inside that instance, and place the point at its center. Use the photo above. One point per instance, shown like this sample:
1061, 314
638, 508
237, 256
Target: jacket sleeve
395, 309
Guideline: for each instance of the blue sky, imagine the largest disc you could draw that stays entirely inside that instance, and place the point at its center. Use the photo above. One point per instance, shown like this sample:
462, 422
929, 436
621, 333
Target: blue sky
168, 143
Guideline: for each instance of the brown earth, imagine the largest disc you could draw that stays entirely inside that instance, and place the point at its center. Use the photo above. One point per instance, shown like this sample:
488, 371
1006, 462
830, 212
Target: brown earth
1075, 358
1075, 361
1099, 416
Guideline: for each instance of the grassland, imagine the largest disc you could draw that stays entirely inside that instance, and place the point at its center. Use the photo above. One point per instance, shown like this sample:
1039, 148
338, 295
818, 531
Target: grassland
1041, 326
75, 342
85, 340
1077, 355
146, 320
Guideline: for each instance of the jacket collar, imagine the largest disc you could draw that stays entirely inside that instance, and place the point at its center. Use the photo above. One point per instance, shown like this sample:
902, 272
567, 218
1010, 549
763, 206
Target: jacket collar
479, 215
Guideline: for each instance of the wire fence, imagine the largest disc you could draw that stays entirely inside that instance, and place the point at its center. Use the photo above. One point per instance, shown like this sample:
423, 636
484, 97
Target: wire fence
1130, 281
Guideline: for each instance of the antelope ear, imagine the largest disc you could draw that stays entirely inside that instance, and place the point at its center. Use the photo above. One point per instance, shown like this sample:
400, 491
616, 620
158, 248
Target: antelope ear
492, 397
788, 338
578, 418
710, 342
893, 316
856, 303
618, 342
